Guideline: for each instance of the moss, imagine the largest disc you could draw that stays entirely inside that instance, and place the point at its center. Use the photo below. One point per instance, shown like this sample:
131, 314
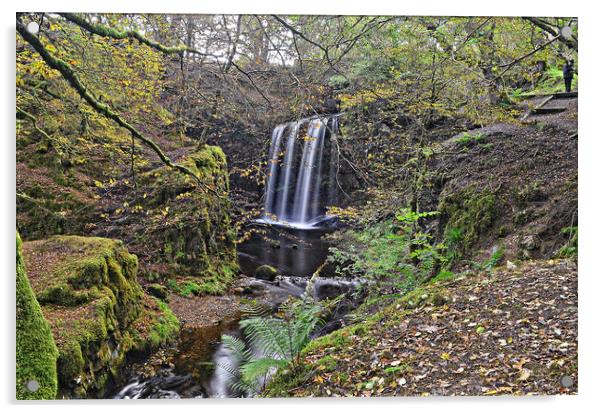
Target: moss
266, 272
212, 283
166, 327
35, 348
523, 217
189, 226
156, 327
526, 194
431, 295
443, 275
48, 204
158, 290
71, 361
343, 336
283, 381
469, 210
466, 139
326, 364
64, 294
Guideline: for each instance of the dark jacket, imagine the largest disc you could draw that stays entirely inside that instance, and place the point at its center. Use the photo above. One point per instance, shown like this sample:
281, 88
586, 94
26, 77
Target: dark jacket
567, 71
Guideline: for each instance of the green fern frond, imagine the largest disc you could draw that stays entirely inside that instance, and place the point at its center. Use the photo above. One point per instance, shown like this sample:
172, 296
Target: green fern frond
260, 367
244, 388
237, 347
255, 309
280, 338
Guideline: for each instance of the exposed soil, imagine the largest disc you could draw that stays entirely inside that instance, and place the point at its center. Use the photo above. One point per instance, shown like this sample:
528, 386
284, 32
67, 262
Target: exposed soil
199, 312
530, 168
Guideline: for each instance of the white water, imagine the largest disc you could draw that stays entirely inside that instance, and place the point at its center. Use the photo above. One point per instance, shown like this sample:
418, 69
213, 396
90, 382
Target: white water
293, 193
273, 165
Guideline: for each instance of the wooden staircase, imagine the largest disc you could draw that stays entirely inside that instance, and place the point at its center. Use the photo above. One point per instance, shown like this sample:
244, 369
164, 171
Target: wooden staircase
551, 103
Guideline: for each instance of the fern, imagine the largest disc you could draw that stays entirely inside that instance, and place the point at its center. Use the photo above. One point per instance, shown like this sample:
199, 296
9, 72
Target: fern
260, 368
280, 338
240, 356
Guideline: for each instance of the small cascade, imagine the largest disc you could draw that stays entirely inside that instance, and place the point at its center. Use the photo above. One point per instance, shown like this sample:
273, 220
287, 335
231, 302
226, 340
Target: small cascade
297, 190
273, 166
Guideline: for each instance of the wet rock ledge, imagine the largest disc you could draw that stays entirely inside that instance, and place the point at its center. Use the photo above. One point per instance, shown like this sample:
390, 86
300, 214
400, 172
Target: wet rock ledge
98, 313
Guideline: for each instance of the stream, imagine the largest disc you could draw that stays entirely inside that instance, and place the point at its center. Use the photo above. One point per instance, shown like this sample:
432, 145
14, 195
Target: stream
191, 369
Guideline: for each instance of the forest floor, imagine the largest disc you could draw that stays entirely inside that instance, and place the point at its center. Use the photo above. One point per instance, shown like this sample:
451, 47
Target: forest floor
197, 312
510, 332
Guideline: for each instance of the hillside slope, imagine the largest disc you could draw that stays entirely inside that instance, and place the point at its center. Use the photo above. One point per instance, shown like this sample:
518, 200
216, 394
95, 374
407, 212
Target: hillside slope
511, 332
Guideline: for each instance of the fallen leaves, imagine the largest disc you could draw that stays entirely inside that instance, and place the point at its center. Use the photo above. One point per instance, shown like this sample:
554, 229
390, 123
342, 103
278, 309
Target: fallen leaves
524, 374
518, 337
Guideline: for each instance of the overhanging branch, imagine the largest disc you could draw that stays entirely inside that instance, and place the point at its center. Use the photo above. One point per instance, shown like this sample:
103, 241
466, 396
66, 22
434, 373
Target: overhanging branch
71, 77
105, 31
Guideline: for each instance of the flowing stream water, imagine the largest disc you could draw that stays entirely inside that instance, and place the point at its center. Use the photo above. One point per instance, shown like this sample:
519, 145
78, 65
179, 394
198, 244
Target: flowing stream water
300, 184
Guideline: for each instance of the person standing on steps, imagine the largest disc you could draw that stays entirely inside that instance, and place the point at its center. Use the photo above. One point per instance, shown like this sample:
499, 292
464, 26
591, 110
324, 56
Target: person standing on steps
567, 74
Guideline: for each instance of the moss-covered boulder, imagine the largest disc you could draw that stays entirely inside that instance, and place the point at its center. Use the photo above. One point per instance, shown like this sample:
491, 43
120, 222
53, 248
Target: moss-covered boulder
97, 311
158, 290
467, 215
36, 351
266, 272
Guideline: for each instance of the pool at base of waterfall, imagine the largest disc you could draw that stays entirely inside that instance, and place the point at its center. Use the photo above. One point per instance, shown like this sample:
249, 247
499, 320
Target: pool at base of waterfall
289, 245
196, 366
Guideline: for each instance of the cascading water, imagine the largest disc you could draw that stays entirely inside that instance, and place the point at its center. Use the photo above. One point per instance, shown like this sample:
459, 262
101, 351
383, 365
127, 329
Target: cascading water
301, 182
297, 192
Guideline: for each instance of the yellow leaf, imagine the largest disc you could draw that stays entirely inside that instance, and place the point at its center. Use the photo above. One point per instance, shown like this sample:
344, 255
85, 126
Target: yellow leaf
524, 374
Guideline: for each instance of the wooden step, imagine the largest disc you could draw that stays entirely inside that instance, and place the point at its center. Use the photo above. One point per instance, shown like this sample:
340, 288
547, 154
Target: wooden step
534, 110
565, 95
547, 111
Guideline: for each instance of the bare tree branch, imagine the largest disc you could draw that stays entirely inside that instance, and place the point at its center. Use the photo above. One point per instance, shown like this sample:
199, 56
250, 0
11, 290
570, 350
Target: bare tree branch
105, 31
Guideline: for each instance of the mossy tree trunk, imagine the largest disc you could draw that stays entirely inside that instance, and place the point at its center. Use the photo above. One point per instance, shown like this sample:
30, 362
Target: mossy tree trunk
36, 351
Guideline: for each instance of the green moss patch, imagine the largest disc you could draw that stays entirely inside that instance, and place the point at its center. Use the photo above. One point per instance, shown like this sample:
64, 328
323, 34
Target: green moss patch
211, 283
469, 212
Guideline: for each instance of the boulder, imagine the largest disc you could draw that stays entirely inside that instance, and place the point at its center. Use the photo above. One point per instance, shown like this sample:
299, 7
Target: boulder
266, 272
329, 288
529, 242
158, 290
36, 350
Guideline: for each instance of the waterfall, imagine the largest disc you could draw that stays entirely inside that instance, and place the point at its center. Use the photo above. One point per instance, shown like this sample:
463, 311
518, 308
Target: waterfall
286, 174
296, 191
273, 168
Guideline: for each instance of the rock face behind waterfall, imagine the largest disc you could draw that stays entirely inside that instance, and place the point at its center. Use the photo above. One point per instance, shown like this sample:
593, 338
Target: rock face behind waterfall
300, 181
